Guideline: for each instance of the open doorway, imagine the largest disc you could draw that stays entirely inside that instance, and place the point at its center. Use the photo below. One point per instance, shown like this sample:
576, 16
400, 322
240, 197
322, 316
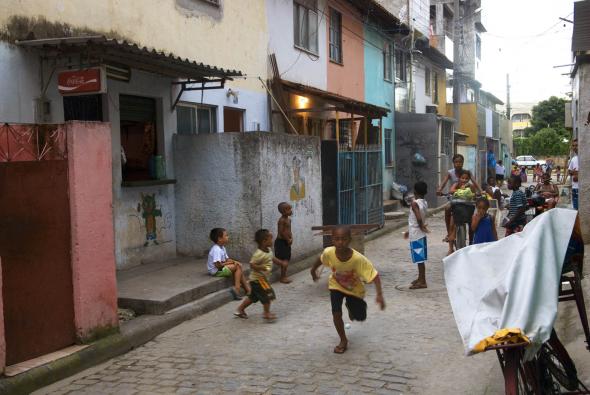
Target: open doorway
83, 108
138, 136
233, 119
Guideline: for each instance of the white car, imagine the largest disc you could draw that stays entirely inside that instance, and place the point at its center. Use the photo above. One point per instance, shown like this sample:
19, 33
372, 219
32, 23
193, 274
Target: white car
529, 161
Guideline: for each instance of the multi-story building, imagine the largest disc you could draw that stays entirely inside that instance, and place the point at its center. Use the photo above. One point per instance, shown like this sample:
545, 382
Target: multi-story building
423, 133
520, 121
334, 78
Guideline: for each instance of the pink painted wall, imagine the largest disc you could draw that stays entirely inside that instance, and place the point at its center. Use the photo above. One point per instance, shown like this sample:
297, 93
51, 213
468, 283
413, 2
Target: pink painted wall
348, 79
2, 339
93, 243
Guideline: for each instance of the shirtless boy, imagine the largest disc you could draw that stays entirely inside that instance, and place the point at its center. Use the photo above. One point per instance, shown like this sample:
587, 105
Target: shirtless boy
284, 239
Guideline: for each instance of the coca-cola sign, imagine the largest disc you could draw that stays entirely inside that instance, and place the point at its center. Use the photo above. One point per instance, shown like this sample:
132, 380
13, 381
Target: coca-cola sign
79, 81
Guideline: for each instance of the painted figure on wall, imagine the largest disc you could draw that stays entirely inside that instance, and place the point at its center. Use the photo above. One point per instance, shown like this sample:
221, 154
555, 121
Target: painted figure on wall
149, 212
297, 191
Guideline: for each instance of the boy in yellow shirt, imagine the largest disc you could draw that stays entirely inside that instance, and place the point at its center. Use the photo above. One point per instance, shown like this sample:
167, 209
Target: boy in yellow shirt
260, 272
349, 270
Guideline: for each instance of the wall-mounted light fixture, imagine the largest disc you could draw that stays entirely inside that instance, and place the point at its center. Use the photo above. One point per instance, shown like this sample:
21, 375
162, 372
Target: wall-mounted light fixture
233, 93
302, 101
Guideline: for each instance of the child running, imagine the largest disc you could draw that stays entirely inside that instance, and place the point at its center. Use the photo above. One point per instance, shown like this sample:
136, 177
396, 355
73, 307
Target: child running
260, 271
284, 239
482, 223
220, 265
349, 270
416, 232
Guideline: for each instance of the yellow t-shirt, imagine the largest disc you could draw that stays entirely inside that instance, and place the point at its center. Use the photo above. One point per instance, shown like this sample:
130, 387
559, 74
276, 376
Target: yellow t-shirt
261, 258
348, 277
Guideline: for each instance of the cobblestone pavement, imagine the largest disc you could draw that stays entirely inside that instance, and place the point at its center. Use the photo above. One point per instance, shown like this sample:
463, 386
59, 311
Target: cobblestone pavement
411, 347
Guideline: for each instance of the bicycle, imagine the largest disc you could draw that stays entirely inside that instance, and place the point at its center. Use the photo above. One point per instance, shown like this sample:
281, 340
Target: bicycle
549, 372
551, 369
462, 212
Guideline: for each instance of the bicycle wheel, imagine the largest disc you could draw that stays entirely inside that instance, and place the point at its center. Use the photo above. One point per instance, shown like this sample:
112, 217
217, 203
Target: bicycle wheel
460, 236
559, 363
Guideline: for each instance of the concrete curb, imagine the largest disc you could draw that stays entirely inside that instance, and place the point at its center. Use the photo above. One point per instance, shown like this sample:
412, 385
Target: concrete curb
143, 329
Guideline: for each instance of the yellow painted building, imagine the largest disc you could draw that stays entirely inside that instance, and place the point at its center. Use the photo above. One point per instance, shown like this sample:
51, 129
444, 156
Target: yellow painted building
232, 35
468, 122
441, 90
520, 121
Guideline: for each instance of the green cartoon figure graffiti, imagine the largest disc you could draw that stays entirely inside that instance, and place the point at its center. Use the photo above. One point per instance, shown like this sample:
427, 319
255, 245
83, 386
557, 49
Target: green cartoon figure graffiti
149, 212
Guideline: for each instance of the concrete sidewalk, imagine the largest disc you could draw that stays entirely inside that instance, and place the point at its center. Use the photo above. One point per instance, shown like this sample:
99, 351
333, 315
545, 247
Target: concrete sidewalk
166, 313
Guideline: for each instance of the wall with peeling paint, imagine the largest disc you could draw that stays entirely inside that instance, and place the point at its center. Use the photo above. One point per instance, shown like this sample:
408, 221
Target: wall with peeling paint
236, 181
189, 29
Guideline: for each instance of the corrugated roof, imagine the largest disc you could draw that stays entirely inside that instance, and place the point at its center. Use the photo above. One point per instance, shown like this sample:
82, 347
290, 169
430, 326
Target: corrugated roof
355, 105
581, 34
124, 52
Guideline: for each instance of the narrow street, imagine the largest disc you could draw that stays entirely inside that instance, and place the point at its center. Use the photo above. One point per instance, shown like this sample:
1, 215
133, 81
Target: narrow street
411, 347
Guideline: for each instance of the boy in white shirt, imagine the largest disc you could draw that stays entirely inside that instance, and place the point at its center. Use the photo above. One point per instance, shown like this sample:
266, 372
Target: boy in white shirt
417, 231
220, 265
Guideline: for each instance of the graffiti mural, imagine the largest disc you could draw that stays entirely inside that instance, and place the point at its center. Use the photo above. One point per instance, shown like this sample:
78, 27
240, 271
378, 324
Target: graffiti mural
149, 211
297, 191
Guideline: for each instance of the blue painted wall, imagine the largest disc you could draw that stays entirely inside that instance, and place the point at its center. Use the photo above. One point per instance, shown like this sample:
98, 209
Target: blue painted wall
380, 92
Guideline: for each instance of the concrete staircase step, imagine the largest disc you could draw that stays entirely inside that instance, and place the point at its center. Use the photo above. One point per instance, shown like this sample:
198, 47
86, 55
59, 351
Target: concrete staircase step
156, 288
395, 215
161, 287
391, 205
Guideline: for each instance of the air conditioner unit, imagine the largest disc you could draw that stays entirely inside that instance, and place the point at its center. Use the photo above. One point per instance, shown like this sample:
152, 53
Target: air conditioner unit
432, 109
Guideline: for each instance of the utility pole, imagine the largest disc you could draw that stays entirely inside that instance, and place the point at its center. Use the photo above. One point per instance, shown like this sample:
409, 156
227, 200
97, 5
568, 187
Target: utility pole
508, 108
456, 61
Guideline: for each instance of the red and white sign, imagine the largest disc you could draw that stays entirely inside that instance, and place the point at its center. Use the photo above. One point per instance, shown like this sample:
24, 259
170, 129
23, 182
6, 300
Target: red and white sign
80, 81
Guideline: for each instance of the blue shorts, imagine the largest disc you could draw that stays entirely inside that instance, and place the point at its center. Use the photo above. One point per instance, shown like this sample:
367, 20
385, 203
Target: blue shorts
419, 250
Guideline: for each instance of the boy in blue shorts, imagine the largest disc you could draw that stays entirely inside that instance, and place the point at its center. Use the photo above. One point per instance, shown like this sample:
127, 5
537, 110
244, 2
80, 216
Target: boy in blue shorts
416, 232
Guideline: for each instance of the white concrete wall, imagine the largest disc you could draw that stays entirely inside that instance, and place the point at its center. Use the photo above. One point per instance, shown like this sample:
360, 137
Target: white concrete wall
19, 84
422, 100
583, 131
296, 65
235, 181
419, 82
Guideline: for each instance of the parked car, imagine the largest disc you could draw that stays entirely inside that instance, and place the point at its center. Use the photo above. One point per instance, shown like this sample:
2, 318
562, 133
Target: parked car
529, 161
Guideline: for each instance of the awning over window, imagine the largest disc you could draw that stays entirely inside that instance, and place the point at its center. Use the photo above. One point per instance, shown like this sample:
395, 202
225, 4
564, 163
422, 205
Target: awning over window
342, 103
100, 49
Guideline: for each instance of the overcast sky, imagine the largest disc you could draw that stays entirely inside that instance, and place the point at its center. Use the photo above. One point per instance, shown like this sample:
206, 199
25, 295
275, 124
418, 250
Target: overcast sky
526, 39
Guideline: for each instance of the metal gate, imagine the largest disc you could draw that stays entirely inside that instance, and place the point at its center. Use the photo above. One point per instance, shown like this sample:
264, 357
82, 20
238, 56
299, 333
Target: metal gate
35, 241
360, 181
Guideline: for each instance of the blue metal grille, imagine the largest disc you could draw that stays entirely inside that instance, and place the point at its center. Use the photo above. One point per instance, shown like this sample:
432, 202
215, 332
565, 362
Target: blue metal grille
360, 180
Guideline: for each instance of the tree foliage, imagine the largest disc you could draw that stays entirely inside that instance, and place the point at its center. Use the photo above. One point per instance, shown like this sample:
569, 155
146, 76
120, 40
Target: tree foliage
549, 113
546, 142
546, 135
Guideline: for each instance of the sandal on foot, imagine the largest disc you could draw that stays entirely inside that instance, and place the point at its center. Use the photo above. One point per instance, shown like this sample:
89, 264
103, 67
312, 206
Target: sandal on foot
340, 349
418, 286
241, 315
286, 280
270, 317
414, 282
